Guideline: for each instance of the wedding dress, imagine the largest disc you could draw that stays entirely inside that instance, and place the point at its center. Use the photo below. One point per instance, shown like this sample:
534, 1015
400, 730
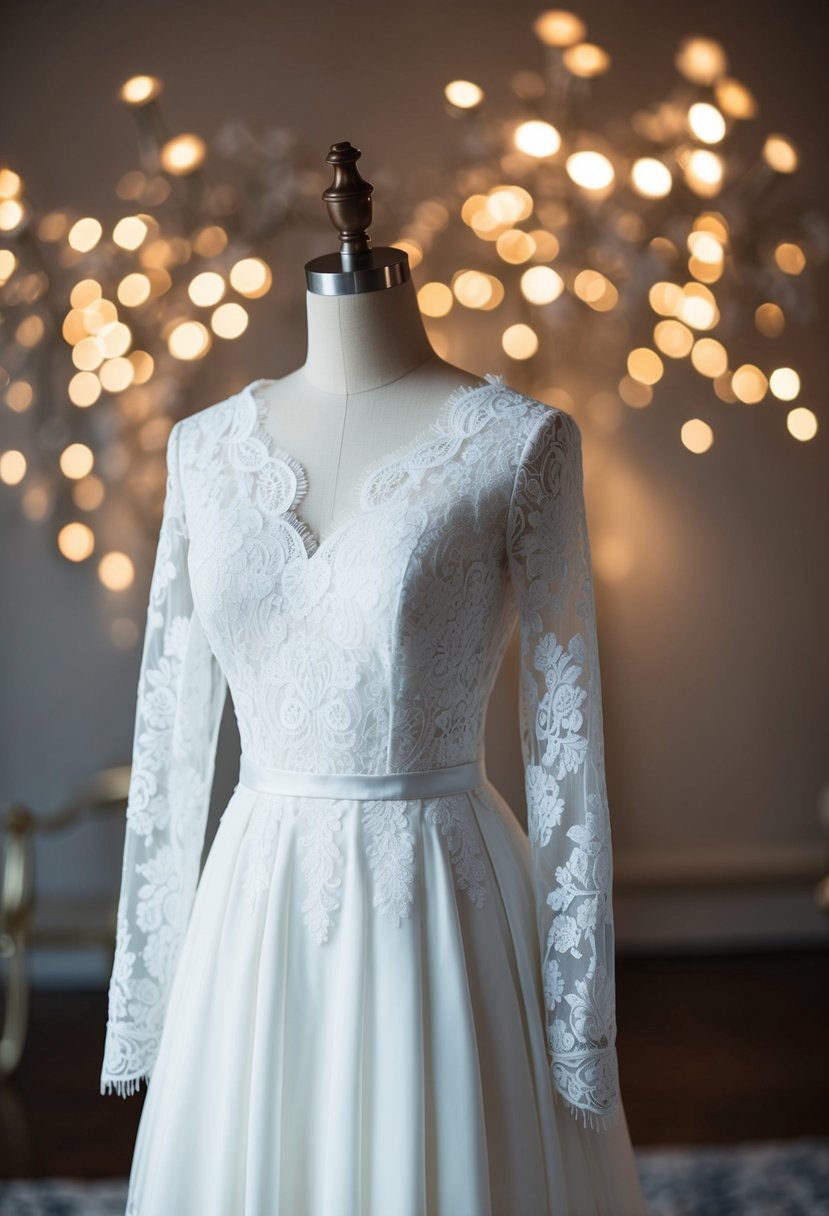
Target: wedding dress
380, 997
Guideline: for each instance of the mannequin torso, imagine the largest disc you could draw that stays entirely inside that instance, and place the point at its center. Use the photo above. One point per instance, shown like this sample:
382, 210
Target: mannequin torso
371, 383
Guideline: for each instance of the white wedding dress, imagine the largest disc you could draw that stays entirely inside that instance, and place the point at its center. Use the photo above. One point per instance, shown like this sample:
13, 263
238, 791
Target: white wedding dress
379, 998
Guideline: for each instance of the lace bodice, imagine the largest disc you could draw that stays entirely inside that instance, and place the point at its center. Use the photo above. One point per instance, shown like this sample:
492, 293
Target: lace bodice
375, 651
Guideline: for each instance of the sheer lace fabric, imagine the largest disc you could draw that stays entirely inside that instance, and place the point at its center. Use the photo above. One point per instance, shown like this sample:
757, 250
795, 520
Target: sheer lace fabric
374, 651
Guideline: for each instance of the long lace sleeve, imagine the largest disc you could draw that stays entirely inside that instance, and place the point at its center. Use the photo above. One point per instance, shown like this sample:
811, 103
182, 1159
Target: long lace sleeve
181, 693
560, 715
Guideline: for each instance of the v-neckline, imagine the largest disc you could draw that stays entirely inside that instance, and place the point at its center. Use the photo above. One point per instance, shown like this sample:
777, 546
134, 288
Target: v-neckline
357, 508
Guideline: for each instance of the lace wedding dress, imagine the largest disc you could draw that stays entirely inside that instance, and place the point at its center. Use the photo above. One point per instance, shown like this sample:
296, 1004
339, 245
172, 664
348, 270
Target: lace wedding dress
379, 997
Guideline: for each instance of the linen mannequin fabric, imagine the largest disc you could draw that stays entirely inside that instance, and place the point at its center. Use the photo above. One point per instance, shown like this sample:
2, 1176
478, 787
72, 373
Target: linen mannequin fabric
371, 1003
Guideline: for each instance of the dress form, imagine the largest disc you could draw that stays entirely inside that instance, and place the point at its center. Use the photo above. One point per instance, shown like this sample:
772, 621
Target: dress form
370, 384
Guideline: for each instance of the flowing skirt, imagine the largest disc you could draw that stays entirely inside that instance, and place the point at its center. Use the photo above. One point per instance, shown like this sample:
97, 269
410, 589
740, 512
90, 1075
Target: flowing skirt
319, 1058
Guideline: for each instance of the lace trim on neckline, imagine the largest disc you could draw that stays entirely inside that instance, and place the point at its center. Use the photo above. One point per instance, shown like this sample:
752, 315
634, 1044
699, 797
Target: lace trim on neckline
449, 424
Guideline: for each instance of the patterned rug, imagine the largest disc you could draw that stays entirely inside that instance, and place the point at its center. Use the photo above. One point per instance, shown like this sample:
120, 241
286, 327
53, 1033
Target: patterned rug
773, 1178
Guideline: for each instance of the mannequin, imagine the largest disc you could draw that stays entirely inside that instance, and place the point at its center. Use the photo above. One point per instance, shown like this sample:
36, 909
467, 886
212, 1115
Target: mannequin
355, 968
371, 382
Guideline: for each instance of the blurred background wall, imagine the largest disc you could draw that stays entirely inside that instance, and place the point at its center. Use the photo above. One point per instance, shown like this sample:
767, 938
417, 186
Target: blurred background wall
713, 648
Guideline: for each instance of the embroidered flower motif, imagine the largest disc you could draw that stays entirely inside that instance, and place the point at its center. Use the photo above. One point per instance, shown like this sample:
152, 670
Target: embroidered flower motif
391, 856
560, 728
457, 824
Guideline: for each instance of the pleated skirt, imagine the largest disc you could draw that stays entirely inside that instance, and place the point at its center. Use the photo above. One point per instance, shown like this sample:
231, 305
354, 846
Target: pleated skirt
392, 1069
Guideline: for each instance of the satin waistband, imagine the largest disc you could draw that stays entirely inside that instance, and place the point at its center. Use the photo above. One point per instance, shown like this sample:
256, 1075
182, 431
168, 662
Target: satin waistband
429, 783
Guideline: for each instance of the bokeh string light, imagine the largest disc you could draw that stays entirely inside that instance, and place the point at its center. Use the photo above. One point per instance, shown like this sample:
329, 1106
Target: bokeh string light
108, 324
602, 262
607, 263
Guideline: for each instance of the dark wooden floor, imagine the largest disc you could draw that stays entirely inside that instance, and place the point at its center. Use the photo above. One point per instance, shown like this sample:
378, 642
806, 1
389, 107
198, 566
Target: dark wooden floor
711, 1049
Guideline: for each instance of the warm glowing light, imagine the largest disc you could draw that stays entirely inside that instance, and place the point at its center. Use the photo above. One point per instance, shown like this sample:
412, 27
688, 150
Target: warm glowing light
12, 467
779, 154
11, 214
634, 393
722, 387
8, 265
183, 154
98, 314
11, 183
134, 290
210, 241
53, 226
673, 339
790, 258
696, 435
116, 571
698, 307
88, 354
130, 232
645, 365
84, 389
749, 384
229, 320
85, 234
703, 172
590, 170
76, 460
650, 177
541, 284
117, 374
463, 94
557, 27
138, 90
713, 222
189, 340
472, 288
706, 123
665, 298
784, 382
586, 60
36, 502
88, 493
519, 341
251, 277
709, 357
84, 293
30, 330
701, 60
509, 204
19, 396
801, 423
515, 246
434, 299
596, 290
705, 247
537, 138
471, 206
76, 541
546, 245
206, 288
142, 365
115, 339
734, 99
770, 320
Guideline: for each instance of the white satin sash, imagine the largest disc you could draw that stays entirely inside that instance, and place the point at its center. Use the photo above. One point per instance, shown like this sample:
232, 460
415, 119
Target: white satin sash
430, 783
